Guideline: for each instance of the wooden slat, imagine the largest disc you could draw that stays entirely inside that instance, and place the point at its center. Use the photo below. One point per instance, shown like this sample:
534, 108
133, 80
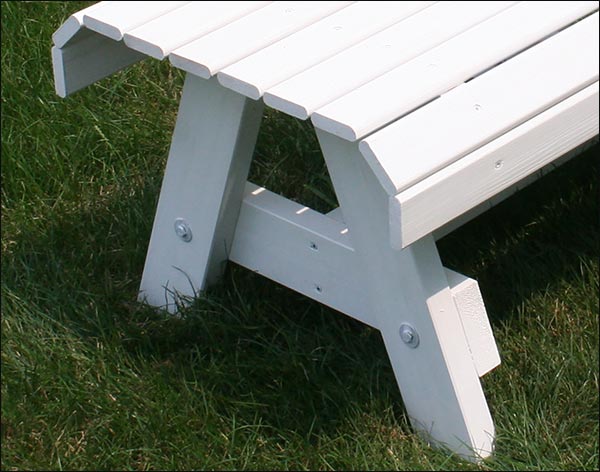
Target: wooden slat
303, 93
482, 207
494, 167
477, 210
159, 37
254, 74
114, 19
72, 26
473, 114
208, 55
422, 79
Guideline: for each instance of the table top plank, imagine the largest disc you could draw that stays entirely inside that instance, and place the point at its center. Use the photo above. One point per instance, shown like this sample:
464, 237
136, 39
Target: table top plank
412, 84
484, 108
211, 53
313, 44
313, 88
114, 19
160, 36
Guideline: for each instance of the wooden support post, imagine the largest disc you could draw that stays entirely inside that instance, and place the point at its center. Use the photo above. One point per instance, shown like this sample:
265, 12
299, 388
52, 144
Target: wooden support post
408, 288
201, 193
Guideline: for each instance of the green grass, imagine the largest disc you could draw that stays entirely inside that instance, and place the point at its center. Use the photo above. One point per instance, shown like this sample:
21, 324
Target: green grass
253, 376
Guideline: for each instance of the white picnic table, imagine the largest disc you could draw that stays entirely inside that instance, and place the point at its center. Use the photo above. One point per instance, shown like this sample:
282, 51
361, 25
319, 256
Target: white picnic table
427, 113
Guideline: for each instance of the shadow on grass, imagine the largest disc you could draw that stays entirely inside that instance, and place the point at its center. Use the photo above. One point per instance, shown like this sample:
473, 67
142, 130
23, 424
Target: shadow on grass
533, 240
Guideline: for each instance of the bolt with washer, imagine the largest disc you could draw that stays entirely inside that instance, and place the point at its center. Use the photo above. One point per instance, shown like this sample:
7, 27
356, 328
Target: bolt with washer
409, 335
183, 230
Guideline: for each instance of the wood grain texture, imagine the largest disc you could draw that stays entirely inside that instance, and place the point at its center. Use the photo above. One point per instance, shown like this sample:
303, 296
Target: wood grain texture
475, 322
477, 210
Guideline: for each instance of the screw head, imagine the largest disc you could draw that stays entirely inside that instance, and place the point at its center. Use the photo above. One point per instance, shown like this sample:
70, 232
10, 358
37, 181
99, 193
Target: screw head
409, 335
183, 230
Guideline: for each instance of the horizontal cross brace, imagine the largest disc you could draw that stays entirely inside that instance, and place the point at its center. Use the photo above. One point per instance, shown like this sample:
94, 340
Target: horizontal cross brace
312, 254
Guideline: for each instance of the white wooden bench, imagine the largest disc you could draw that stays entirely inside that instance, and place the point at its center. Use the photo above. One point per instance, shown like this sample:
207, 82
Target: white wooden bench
427, 114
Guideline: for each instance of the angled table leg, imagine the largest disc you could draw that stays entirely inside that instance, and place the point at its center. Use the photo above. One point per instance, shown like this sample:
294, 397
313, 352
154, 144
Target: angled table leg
410, 295
201, 192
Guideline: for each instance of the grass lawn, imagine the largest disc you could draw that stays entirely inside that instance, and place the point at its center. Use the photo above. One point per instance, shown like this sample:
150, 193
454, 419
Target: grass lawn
253, 375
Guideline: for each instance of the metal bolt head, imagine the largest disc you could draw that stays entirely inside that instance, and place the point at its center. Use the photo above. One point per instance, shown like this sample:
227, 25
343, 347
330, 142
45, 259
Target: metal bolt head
409, 335
183, 230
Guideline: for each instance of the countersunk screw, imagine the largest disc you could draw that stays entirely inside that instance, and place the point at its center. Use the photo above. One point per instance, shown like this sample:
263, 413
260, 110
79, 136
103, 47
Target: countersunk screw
183, 230
409, 335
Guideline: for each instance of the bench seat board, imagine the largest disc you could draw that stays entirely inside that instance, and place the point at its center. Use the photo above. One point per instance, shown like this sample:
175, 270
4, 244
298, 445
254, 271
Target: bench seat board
479, 111
313, 88
114, 19
489, 170
252, 75
424, 78
206, 56
72, 27
499, 197
159, 37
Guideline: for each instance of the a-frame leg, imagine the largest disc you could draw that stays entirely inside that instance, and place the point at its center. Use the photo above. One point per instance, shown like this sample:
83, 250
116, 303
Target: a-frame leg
414, 310
201, 192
